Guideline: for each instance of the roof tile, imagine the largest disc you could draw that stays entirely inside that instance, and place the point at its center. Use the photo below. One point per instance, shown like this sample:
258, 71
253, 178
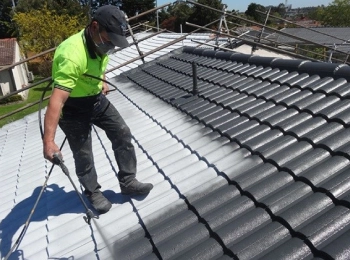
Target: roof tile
7, 51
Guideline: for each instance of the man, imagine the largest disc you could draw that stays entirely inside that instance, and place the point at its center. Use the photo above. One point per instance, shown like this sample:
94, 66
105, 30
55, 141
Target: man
78, 101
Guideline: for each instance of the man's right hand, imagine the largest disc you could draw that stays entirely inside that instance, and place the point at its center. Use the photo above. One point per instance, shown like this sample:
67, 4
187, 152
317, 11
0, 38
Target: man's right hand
50, 148
52, 116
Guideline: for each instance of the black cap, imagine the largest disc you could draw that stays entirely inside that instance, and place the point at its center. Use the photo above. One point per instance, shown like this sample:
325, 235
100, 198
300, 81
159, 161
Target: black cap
113, 20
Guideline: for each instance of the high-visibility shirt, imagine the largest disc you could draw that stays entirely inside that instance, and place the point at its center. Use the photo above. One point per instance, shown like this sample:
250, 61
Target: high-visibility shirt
73, 58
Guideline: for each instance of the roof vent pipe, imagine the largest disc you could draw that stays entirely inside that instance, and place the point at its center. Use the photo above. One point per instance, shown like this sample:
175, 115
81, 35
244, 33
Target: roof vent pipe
194, 73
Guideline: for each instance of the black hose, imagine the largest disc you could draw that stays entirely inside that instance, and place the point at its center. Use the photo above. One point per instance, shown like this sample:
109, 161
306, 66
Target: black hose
40, 107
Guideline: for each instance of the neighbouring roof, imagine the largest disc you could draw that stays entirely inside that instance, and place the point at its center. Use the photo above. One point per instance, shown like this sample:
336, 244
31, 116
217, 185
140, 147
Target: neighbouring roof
255, 166
341, 33
7, 51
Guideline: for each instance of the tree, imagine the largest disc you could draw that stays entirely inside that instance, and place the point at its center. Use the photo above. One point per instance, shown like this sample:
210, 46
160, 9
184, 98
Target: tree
69, 7
252, 13
278, 10
44, 29
164, 14
28, 5
235, 21
203, 16
94, 4
335, 14
6, 30
182, 12
169, 23
134, 7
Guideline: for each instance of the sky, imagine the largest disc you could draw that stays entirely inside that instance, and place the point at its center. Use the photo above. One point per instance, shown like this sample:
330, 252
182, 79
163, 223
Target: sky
243, 5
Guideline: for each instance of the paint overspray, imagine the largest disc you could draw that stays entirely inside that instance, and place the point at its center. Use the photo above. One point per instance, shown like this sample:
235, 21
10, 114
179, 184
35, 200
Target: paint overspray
104, 239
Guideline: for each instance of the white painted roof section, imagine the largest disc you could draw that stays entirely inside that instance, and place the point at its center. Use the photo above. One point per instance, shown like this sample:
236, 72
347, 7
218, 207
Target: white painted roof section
125, 55
247, 49
145, 46
57, 229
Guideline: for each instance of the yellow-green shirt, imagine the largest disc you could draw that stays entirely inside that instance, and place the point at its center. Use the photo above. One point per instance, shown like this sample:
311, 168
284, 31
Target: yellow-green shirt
71, 61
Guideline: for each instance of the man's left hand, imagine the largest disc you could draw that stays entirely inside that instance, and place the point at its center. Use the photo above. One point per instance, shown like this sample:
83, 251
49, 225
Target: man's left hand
105, 88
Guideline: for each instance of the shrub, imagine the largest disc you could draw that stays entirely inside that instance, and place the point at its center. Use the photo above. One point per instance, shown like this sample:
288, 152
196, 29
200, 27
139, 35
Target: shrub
11, 99
33, 66
45, 68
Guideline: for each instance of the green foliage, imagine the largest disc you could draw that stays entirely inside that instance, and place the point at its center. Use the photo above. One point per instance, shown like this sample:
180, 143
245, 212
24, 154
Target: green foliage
234, 20
202, 16
278, 10
6, 28
11, 99
28, 5
252, 13
45, 68
134, 7
44, 29
179, 13
69, 7
335, 14
33, 96
313, 52
164, 14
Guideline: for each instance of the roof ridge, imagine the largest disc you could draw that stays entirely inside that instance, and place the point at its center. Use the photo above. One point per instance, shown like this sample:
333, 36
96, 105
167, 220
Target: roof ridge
322, 69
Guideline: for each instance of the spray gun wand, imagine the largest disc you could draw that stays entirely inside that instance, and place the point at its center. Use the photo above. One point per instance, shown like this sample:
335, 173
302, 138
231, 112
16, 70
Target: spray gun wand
57, 159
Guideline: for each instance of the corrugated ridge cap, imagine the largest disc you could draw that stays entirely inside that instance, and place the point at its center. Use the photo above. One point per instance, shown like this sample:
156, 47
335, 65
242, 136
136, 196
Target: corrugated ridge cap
322, 69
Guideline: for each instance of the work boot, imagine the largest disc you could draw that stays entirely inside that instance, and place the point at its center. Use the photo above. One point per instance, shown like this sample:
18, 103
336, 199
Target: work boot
99, 202
135, 187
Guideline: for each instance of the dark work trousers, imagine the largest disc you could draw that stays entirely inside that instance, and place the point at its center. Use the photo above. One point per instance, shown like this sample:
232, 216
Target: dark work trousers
77, 125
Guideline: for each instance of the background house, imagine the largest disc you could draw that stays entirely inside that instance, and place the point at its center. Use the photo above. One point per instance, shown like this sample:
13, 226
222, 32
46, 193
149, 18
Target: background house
15, 78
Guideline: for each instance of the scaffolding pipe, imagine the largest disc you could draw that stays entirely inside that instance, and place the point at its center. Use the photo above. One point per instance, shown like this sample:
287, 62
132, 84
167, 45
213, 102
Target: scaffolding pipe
252, 42
27, 59
304, 27
157, 49
22, 108
287, 45
281, 44
24, 89
259, 24
149, 11
262, 45
263, 29
49, 78
134, 39
53, 49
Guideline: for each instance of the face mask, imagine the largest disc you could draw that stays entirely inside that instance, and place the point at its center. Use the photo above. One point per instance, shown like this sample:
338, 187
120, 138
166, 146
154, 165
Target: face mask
104, 47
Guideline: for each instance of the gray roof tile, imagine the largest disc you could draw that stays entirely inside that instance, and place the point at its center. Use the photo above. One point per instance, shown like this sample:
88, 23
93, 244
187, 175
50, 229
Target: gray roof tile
237, 228
305, 33
276, 145
320, 133
293, 248
267, 182
263, 138
262, 241
319, 231
338, 248
325, 170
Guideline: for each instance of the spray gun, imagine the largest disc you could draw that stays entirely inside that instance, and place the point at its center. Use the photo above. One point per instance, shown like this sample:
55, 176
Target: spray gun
57, 159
